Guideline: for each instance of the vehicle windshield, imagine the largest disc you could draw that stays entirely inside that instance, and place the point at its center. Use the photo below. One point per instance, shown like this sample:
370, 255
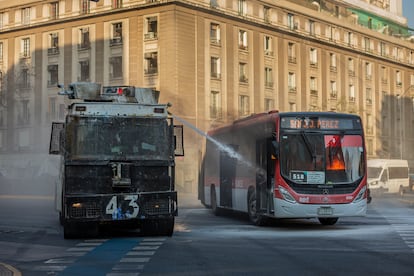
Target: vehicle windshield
118, 138
374, 172
319, 159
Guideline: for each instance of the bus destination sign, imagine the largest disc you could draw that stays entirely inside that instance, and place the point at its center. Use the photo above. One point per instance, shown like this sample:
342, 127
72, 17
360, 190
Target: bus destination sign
319, 123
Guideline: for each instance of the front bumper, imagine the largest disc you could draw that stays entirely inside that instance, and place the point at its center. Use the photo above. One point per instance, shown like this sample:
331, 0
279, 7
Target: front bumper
120, 207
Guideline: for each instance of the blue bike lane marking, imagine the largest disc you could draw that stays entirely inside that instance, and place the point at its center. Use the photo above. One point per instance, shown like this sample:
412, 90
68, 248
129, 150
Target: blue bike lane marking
101, 259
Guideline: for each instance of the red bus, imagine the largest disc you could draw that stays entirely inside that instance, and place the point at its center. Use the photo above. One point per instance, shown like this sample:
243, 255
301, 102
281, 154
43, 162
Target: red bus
287, 165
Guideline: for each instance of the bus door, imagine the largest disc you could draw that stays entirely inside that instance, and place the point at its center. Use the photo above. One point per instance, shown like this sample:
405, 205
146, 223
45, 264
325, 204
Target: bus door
227, 177
264, 175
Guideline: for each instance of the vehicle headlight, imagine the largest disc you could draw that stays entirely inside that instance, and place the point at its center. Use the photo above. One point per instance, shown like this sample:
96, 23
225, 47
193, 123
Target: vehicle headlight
360, 195
286, 195
373, 183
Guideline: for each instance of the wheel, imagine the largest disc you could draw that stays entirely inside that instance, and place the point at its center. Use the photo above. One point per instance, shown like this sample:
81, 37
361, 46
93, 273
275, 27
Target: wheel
61, 218
69, 230
214, 208
255, 218
328, 221
158, 227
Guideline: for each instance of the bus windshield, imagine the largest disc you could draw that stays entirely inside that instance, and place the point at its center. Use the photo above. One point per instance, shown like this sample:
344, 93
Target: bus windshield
118, 138
314, 158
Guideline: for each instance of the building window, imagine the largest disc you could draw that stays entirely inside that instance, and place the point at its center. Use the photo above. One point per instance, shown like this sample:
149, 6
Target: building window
151, 28
151, 63
334, 91
351, 93
52, 75
290, 22
384, 77
266, 14
313, 57
368, 71
367, 44
215, 68
115, 67
368, 95
243, 72
383, 51
215, 33
350, 39
291, 82
269, 104
291, 52
84, 42
116, 4
313, 84
53, 44
268, 77
84, 6
1, 20
1, 51
311, 27
244, 105
25, 48
54, 10
332, 62
242, 7
398, 78
116, 33
84, 70
292, 106
243, 40
26, 16
267, 43
25, 79
215, 105
351, 68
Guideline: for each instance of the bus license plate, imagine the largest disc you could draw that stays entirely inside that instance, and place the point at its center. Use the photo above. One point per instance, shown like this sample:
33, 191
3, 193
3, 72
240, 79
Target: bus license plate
325, 211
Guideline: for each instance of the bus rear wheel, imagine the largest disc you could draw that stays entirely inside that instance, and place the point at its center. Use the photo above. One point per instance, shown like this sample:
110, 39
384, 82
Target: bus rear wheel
214, 207
328, 221
254, 217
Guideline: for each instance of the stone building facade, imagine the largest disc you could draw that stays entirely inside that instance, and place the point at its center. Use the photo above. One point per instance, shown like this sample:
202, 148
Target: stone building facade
215, 61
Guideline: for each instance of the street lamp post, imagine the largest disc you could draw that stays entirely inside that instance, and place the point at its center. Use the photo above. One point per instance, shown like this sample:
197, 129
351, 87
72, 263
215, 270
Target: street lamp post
402, 122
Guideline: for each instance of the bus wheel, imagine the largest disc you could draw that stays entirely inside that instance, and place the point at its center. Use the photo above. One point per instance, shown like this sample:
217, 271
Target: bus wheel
328, 221
255, 218
214, 208
158, 227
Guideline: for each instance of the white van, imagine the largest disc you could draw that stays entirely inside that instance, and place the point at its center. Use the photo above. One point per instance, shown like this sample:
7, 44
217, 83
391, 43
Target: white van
388, 176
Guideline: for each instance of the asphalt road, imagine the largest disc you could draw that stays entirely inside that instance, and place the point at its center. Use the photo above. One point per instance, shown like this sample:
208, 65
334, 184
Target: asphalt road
31, 243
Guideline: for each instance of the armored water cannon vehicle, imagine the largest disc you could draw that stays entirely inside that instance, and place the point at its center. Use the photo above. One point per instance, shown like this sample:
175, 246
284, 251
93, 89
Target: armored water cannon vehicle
118, 148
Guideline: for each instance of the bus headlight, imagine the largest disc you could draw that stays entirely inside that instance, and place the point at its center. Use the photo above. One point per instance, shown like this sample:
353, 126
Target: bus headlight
286, 195
360, 194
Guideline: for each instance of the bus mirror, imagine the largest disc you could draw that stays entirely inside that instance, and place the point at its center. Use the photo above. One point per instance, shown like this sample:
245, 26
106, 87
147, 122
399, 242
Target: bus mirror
275, 148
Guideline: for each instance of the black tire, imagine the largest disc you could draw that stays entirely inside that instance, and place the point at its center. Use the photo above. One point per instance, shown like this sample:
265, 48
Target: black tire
158, 227
213, 203
69, 230
72, 230
255, 218
328, 221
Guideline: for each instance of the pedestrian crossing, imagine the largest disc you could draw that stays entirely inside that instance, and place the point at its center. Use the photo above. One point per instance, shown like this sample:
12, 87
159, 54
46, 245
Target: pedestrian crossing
138, 253
403, 225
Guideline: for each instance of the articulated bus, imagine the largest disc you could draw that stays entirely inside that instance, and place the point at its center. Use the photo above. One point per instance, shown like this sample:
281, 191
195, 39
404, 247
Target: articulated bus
287, 165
